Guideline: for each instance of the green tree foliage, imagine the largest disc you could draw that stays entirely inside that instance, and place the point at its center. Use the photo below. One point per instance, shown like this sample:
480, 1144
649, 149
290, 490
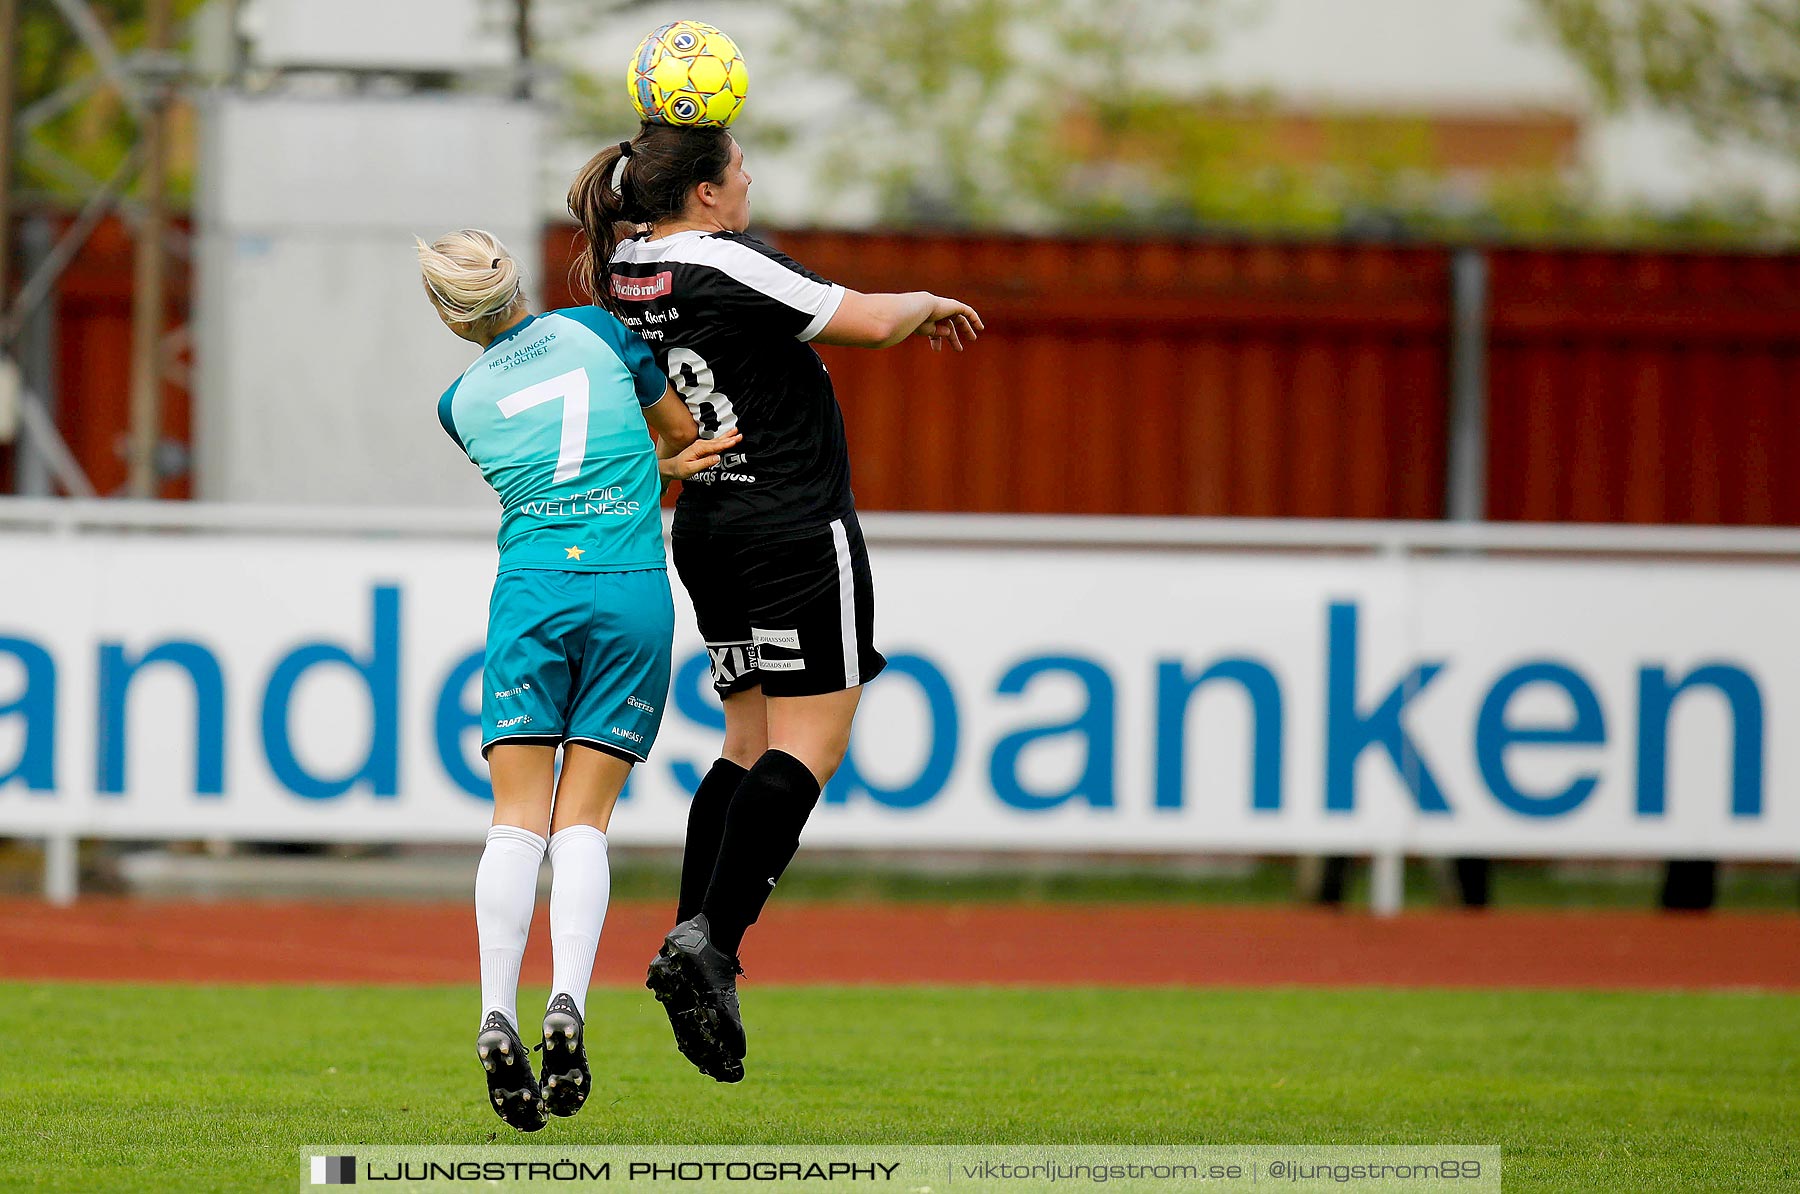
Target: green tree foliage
1056, 114
93, 133
1730, 67
960, 111
971, 110
594, 98
1103, 114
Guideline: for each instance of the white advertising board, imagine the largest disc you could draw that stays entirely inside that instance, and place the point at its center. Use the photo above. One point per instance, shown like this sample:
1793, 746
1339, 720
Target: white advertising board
326, 688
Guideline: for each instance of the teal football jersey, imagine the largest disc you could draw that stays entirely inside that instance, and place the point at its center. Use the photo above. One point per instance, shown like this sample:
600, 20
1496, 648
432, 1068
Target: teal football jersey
551, 414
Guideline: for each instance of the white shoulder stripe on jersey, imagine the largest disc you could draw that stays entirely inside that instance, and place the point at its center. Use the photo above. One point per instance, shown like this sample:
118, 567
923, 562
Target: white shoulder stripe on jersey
638, 250
746, 266
833, 301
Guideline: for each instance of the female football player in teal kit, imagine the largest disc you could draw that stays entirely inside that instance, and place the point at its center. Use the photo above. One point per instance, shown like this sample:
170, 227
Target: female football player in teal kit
556, 412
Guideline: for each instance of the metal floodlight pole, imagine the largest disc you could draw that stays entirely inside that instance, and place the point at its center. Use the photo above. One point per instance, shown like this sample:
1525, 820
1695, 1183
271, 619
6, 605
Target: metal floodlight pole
36, 351
47, 442
49, 107
9, 86
149, 308
93, 35
1465, 485
1465, 488
41, 280
522, 44
234, 44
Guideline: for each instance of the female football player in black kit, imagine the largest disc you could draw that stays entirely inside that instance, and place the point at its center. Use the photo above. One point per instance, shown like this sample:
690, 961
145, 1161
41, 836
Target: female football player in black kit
767, 544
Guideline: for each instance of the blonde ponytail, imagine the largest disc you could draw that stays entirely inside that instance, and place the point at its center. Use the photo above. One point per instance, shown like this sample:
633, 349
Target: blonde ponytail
470, 275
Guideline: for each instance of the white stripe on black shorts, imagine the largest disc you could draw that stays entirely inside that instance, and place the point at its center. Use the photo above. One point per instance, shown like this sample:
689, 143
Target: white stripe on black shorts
795, 614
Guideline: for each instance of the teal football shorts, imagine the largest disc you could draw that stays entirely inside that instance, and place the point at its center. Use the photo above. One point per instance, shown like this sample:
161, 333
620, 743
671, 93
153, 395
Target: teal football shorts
578, 657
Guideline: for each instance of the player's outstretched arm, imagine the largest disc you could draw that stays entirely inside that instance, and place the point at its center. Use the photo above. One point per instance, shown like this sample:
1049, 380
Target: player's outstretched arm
883, 320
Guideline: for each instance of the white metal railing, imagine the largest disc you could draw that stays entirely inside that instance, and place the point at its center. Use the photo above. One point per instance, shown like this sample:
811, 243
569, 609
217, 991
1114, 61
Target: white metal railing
962, 530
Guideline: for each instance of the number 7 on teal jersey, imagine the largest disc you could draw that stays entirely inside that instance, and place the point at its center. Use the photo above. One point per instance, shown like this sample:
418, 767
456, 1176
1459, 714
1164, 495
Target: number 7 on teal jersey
572, 389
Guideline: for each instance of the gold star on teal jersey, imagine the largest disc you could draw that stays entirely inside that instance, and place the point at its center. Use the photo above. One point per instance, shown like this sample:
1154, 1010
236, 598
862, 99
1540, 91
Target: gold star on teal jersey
574, 552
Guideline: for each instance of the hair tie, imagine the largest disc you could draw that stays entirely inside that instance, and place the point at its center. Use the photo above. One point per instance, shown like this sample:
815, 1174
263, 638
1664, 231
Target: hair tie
496, 264
624, 149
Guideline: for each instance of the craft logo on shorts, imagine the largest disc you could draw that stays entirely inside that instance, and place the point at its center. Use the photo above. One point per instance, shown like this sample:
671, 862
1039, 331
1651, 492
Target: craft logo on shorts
643, 290
731, 662
334, 1171
508, 723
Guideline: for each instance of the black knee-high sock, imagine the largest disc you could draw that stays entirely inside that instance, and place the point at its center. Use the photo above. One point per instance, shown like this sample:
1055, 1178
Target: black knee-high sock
705, 829
762, 832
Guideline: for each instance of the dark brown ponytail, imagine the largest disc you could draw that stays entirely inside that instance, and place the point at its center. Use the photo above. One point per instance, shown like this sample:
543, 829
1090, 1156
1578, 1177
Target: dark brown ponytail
662, 166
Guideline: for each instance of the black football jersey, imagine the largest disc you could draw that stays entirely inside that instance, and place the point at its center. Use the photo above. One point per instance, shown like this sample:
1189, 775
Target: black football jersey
729, 318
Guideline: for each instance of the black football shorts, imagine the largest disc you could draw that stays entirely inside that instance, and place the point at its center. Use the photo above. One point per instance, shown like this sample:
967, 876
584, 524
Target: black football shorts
795, 614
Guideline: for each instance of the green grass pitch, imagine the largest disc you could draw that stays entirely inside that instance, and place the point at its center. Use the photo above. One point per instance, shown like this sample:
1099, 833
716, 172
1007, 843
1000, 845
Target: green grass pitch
122, 1087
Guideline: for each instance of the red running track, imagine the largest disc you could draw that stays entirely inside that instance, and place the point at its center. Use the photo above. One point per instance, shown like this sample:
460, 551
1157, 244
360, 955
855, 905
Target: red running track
1126, 945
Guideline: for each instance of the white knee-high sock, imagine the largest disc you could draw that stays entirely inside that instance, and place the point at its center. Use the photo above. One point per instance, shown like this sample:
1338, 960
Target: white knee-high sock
580, 883
505, 890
